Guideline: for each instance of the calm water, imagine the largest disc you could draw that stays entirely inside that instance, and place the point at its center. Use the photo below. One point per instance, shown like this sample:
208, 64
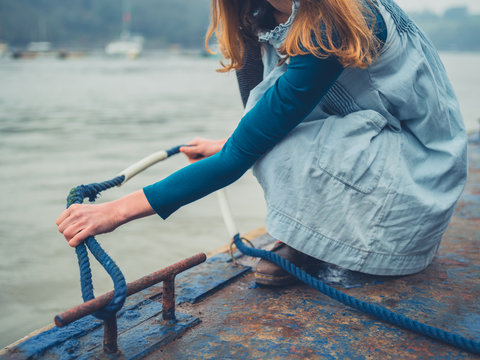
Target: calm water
63, 123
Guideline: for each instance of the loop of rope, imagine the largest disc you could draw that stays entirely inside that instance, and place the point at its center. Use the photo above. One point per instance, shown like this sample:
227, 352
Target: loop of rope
375, 310
230, 251
76, 196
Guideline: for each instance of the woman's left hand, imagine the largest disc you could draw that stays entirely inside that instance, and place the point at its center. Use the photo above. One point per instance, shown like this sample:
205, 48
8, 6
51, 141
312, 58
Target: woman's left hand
200, 148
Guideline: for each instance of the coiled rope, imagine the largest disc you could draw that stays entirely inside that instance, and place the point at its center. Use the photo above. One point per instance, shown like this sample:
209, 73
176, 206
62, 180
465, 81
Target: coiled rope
375, 310
91, 191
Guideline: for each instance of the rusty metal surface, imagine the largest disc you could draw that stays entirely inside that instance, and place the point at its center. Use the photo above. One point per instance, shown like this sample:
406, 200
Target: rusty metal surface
248, 322
110, 330
245, 321
141, 326
137, 342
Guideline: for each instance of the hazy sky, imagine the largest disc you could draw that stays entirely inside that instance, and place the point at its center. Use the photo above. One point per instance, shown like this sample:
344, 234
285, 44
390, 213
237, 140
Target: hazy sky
438, 5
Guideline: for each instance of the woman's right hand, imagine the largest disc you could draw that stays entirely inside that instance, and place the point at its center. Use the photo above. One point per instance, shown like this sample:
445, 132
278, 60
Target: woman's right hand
80, 221
200, 148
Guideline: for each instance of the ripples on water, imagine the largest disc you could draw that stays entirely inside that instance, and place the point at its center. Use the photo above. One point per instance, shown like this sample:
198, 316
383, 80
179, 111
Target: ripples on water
63, 123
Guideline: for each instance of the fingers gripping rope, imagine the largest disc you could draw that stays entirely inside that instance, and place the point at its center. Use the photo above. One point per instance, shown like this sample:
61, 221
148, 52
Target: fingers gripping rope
375, 310
76, 197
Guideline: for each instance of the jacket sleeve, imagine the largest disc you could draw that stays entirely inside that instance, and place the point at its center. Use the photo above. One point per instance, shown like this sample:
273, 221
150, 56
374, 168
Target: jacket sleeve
287, 103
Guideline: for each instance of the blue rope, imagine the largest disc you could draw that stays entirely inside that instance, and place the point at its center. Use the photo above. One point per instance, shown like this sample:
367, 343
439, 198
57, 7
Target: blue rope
76, 196
375, 310
174, 150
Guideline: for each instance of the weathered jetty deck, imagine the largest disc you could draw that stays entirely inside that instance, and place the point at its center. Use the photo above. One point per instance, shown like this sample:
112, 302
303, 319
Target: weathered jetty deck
222, 314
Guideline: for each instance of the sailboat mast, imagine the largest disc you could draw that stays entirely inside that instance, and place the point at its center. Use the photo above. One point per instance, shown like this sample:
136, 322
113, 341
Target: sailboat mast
126, 18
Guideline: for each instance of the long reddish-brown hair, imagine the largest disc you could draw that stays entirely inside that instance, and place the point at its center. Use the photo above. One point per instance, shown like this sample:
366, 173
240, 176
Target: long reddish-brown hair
341, 28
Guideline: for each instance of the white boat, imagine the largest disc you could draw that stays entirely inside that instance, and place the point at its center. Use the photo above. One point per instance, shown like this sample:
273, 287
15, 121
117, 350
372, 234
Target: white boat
127, 46
34, 50
39, 47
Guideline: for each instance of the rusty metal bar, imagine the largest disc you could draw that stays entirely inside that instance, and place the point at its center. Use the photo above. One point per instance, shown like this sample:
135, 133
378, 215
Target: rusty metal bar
110, 335
99, 302
168, 298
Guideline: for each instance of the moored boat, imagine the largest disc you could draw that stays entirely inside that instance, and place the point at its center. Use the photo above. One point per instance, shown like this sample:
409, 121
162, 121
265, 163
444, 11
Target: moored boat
127, 45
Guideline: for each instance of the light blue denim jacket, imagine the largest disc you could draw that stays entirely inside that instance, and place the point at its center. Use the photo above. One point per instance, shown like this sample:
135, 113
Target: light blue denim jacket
370, 179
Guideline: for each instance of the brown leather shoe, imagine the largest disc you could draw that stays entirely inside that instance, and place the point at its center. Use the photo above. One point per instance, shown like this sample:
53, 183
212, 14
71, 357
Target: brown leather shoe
268, 273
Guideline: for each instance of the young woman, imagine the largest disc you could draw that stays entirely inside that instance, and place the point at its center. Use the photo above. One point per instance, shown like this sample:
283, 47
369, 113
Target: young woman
351, 125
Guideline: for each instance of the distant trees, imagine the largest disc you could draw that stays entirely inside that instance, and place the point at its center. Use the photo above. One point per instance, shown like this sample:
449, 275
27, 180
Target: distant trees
456, 29
93, 23
165, 22
81, 22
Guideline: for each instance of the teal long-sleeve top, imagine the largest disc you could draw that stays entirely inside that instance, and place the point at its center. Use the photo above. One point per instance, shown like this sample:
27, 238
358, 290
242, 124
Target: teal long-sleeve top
286, 104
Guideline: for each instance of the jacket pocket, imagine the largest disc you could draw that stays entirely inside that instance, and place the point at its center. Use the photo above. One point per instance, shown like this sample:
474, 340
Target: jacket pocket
351, 150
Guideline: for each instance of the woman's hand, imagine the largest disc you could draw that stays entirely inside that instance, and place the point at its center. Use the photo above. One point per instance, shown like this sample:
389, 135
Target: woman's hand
78, 222
200, 148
